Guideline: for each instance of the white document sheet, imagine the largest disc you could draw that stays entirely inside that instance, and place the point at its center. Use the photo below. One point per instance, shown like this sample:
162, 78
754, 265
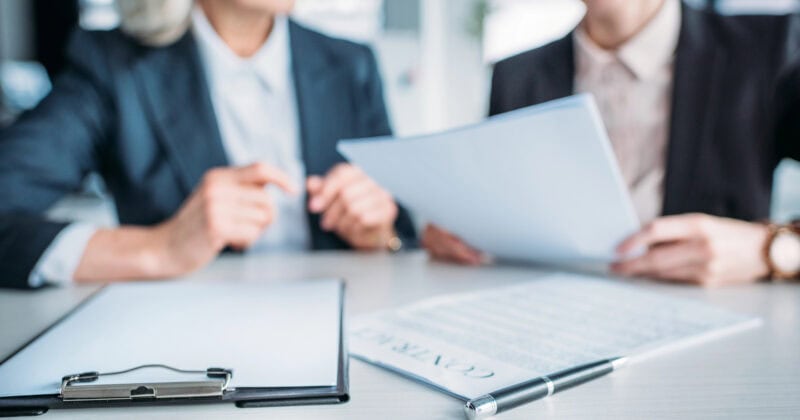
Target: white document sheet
471, 344
539, 184
270, 335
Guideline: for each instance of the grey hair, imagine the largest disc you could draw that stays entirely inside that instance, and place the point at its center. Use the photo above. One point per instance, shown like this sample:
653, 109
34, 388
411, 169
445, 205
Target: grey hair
155, 22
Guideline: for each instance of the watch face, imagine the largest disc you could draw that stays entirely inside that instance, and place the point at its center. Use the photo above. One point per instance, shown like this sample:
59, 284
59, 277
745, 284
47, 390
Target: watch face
785, 252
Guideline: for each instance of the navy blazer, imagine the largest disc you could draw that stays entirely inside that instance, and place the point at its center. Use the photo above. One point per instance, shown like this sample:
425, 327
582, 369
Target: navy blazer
142, 117
735, 107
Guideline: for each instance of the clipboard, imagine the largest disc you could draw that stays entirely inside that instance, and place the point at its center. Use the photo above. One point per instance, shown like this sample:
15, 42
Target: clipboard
177, 385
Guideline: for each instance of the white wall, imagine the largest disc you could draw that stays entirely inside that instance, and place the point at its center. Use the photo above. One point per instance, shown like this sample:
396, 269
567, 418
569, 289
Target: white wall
453, 78
434, 78
514, 26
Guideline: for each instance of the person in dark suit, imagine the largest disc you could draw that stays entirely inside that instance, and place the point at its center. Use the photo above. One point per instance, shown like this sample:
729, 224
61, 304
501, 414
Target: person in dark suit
700, 109
196, 114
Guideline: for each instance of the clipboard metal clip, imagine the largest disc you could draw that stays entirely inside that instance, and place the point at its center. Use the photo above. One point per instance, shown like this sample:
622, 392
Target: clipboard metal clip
215, 386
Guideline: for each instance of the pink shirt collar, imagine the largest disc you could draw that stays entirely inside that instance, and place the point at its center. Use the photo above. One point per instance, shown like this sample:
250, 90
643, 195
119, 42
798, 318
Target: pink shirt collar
647, 52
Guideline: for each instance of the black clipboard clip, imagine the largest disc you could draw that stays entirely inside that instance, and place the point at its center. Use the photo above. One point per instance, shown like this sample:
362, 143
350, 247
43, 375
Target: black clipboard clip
73, 390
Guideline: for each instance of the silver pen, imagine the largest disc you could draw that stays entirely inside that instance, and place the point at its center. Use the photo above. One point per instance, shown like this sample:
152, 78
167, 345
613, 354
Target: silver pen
541, 387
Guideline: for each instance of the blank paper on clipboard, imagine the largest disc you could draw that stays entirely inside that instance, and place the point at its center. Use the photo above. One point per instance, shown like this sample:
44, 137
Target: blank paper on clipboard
271, 336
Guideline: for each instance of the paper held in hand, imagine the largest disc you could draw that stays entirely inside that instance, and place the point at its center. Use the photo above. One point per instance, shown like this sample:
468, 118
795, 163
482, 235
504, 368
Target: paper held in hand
540, 183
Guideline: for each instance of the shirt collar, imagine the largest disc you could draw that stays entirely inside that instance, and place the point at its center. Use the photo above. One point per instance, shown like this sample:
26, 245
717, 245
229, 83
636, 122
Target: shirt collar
271, 63
648, 51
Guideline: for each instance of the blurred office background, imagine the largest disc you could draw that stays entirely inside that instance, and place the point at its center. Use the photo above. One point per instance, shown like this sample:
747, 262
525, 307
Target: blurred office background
435, 55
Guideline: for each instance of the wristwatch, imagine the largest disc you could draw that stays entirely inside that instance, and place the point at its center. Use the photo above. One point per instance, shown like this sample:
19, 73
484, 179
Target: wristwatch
782, 251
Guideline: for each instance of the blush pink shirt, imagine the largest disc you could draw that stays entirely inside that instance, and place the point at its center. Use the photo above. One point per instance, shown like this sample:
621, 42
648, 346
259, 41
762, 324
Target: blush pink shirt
633, 88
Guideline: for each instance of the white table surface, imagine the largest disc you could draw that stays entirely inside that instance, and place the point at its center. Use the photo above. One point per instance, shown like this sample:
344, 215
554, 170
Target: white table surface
755, 373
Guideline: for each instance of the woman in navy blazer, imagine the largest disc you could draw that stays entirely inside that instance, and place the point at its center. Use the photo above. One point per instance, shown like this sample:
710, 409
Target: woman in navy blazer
134, 106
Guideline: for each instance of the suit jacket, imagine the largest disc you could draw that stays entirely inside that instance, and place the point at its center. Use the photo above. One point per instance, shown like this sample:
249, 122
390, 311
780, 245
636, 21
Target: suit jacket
735, 107
143, 118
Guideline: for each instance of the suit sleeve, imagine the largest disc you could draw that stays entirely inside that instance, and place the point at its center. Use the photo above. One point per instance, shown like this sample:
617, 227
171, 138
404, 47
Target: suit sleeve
788, 94
379, 125
45, 155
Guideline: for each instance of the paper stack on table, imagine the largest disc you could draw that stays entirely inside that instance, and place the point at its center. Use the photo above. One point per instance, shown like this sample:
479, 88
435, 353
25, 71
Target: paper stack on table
474, 343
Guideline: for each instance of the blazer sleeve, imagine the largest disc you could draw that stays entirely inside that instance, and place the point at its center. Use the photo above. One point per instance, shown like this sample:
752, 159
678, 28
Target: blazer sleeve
788, 93
379, 125
45, 155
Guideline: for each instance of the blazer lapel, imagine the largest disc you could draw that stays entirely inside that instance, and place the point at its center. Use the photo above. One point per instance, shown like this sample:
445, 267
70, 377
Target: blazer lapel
561, 71
695, 97
174, 86
319, 83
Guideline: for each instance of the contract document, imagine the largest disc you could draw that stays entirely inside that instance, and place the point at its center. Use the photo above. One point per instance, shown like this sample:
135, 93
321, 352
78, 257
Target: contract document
471, 344
536, 184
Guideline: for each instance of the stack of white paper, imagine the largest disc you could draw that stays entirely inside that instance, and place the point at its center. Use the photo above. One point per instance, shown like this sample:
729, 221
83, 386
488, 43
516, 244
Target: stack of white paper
471, 344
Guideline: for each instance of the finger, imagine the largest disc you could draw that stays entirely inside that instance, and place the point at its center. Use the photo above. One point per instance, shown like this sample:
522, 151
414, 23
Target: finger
663, 258
332, 216
463, 254
448, 235
436, 240
432, 233
232, 217
253, 197
365, 203
382, 214
358, 189
366, 238
262, 174
437, 250
244, 237
665, 229
251, 215
466, 255
337, 179
444, 246
360, 228
691, 274
314, 184
349, 203
240, 228
368, 212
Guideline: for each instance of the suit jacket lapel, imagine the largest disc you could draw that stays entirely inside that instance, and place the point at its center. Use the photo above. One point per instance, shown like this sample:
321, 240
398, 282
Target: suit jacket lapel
321, 89
695, 97
319, 82
561, 69
174, 86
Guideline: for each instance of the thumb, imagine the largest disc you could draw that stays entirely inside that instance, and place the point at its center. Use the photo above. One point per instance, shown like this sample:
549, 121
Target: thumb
262, 174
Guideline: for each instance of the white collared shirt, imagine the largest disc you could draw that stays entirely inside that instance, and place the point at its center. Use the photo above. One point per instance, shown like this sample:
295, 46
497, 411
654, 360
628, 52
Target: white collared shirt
255, 106
633, 87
